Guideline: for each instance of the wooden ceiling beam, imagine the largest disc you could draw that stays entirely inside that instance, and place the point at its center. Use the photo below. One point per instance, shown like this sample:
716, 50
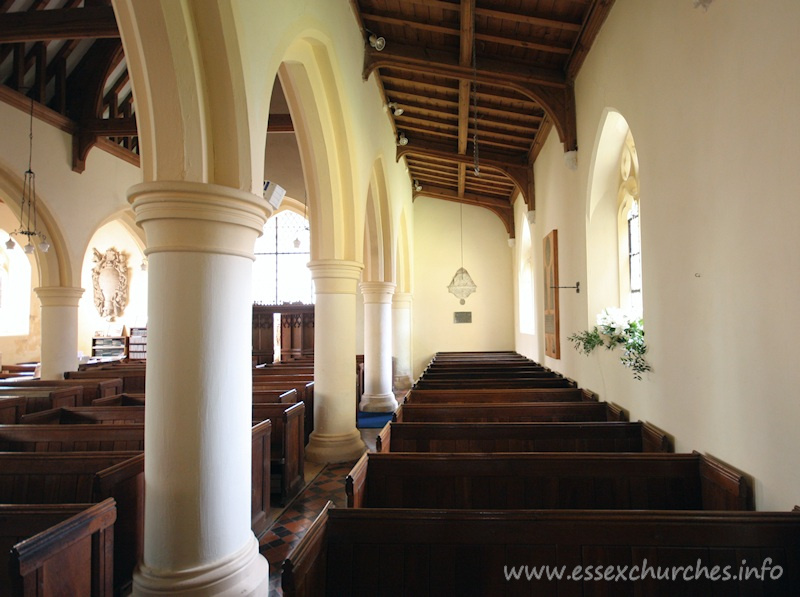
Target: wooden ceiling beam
110, 127
413, 102
73, 23
555, 94
503, 211
529, 19
439, 63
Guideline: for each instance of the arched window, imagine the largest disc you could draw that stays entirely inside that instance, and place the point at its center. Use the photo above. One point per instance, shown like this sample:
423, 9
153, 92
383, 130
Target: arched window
15, 286
280, 272
527, 320
629, 230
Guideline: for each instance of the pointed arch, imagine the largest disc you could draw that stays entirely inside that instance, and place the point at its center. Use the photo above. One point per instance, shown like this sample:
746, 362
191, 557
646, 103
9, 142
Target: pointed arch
309, 82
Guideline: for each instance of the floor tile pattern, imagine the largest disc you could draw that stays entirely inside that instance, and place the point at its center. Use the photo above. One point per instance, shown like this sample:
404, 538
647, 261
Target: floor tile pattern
290, 526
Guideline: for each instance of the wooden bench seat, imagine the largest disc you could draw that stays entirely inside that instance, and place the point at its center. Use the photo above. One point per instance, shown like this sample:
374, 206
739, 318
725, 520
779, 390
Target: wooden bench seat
124, 399
654, 481
133, 378
92, 388
467, 553
305, 394
85, 477
46, 548
288, 447
498, 382
479, 395
42, 398
519, 412
603, 436
93, 437
12, 409
110, 415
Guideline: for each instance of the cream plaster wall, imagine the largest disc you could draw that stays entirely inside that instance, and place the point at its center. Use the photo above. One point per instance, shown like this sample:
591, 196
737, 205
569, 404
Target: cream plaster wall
112, 235
711, 99
488, 260
78, 203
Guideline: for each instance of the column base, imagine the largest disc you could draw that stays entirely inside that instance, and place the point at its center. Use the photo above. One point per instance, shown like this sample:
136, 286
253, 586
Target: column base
329, 448
245, 573
378, 403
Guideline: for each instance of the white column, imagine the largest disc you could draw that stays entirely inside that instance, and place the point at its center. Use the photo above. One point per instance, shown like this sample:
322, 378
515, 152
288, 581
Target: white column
378, 395
401, 337
335, 437
198, 540
59, 329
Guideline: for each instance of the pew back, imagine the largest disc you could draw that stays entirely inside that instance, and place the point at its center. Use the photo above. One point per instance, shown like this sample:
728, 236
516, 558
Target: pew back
548, 480
515, 412
434, 552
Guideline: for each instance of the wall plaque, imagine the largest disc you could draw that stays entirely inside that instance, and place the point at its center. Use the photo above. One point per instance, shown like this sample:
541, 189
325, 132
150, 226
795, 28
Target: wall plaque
462, 317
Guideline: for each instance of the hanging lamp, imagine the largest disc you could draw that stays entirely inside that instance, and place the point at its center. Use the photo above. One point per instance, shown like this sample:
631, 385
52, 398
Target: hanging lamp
27, 209
461, 286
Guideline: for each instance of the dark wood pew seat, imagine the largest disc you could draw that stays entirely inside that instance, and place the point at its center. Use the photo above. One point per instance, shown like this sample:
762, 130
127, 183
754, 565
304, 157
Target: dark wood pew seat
12, 409
42, 398
47, 549
652, 481
124, 399
92, 388
133, 378
79, 478
514, 412
602, 436
504, 395
288, 447
71, 438
468, 553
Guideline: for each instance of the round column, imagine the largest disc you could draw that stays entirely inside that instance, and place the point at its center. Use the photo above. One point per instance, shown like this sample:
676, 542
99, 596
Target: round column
378, 395
335, 437
198, 540
59, 329
401, 337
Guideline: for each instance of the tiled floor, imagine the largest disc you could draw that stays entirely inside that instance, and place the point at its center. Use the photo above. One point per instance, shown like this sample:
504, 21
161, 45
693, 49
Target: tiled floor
323, 484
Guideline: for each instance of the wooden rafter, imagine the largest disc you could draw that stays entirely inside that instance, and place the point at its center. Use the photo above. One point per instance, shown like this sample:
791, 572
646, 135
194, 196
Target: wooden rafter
73, 23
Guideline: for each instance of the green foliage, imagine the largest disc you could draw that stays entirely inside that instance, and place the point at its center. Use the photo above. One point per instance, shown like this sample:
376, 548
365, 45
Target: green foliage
614, 330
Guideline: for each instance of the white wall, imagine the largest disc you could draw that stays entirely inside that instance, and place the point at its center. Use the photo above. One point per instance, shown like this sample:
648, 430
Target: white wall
711, 99
90, 323
437, 256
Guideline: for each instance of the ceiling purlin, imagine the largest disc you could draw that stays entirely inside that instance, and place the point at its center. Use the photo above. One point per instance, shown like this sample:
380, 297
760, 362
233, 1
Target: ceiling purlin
466, 41
71, 23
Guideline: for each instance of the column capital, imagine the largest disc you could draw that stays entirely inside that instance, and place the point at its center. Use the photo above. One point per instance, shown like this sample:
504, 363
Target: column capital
335, 276
59, 296
402, 300
198, 217
377, 292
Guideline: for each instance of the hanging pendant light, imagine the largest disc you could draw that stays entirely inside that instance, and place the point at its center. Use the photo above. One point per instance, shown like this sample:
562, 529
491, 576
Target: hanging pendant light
461, 286
27, 209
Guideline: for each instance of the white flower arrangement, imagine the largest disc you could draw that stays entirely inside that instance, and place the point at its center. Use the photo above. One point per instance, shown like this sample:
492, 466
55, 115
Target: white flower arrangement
616, 328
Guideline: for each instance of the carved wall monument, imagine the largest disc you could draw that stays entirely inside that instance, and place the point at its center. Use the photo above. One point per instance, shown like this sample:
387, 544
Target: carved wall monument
110, 280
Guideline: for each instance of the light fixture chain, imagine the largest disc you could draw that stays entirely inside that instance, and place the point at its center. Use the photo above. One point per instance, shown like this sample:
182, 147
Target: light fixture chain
476, 166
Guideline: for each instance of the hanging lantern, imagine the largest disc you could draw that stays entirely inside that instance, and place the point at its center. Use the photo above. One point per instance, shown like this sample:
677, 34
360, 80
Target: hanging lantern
462, 285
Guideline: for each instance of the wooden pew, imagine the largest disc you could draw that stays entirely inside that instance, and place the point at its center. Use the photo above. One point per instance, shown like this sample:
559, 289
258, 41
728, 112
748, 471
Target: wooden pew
602, 436
81, 437
45, 397
92, 388
107, 415
54, 550
78, 478
124, 399
434, 552
278, 396
519, 412
444, 396
653, 481
501, 382
288, 447
133, 378
12, 409
305, 394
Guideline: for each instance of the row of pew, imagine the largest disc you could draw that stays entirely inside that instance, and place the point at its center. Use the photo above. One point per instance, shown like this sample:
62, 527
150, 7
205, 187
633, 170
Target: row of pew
493, 463
72, 472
